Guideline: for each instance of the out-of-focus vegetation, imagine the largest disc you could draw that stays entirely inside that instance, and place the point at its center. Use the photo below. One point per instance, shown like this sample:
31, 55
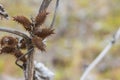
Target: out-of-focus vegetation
83, 28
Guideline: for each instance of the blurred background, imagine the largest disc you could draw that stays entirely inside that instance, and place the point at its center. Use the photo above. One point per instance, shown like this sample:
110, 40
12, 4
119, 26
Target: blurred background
83, 28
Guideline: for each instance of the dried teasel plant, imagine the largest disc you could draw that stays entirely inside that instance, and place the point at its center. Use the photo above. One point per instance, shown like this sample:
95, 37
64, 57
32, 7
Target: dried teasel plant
13, 46
37, 34
35, 27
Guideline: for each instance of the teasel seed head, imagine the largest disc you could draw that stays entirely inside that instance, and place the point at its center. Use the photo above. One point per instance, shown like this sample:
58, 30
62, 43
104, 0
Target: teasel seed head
38, 42
23, 21
44, 32
40, 18
8, 41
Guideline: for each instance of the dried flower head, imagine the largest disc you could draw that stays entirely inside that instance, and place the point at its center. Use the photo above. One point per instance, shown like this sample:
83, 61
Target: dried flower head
44, 32
23, 21
40, 18
9, 46
8, 41
37, 41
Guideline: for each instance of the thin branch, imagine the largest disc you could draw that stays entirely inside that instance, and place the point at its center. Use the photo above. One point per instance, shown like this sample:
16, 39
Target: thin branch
101, 56
44, 5
55, 13
18, 59
14, 32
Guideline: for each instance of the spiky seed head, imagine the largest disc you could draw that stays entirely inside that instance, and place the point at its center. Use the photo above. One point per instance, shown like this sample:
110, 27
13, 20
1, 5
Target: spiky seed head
44, 32
8, 41
37, 41
23, 21
40, 18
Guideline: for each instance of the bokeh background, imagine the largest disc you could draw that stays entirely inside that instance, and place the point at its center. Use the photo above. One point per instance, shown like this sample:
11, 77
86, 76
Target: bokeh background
83, 28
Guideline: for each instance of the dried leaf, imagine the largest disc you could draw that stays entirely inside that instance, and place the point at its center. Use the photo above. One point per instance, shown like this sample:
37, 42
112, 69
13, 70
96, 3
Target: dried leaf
23, 21
43, 33
37, 41
40, 18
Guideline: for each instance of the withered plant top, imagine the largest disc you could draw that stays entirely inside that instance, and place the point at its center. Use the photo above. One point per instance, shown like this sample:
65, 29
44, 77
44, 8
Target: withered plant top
35, 28
38, 32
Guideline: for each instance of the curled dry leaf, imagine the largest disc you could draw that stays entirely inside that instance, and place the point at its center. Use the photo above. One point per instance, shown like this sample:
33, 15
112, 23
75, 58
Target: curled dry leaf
40, 18
23, 21
43, 33
37, 41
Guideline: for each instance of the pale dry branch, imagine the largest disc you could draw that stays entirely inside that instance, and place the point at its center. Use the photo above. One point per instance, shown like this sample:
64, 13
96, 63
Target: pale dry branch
14, 32
101, 55
55, 13
44, 5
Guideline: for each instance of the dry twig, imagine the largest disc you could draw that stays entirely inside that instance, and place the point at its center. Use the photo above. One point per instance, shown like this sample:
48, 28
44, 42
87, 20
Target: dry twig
101, 55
